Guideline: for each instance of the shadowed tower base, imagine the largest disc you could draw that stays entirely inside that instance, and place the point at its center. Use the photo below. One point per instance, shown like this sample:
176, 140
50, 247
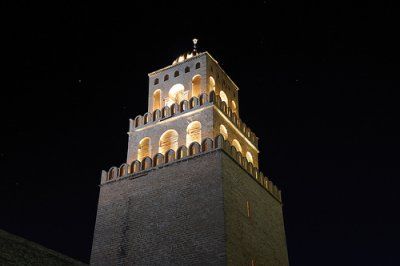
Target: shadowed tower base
204, 210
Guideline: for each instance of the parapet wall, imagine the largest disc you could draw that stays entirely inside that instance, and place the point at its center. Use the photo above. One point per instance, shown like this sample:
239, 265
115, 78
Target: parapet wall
185, 105
183, 152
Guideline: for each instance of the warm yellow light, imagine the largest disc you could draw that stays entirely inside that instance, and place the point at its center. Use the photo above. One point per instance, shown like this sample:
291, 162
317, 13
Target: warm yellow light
236, 144
168, 140
223, 131
193, 133
176, 94
157, 100
236, 129
196, 86
211, 84
233, 106
144, 149
223, 96
249, 157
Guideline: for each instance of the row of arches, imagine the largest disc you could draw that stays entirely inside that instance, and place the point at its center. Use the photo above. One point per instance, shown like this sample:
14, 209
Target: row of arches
176, 73
169, 140
185, 105
195, 148
235, 143
177, 93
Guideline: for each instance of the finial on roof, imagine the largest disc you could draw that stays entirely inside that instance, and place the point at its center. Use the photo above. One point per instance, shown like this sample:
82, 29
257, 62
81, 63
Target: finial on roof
194, 44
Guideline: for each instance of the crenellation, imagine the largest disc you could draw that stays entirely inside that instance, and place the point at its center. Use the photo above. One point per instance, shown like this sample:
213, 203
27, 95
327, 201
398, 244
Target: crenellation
183, 152
191, 169
194, 102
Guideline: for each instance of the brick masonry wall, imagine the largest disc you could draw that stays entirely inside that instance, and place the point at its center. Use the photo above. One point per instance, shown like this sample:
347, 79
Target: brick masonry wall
191, 212
260, 237
170, 216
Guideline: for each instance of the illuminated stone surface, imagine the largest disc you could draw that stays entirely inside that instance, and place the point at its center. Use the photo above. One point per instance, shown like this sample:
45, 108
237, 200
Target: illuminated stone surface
190, 191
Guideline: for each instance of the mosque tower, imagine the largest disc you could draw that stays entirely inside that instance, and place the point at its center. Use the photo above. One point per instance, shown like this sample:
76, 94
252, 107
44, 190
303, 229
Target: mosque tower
190, 191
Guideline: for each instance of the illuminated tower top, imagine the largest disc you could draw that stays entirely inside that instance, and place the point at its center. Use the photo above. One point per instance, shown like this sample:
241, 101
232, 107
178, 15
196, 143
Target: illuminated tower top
191, 173
190, 75
190, 100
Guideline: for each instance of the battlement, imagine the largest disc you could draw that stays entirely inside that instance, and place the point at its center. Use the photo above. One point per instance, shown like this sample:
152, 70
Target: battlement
137, 168
187, 105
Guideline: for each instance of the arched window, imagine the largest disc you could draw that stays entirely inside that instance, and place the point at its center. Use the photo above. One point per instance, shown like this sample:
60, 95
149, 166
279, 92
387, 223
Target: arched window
223, 131
176, 74
176, 94
168, 141
233, 107
223, 96
211, 84
187, 69
237, 145
156, 100
156, 81
144, 149
196, 85
198, 65
166, 77
249, 157
193, 133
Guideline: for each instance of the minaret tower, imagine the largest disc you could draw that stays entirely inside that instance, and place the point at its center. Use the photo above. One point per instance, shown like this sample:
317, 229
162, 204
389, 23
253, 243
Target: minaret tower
190, 191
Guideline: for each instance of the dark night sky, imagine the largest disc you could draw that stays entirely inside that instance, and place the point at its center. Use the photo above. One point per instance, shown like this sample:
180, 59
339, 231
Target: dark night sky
318, 86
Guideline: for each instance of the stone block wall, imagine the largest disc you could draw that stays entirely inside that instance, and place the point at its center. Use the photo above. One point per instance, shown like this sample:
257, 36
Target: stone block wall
253, 220
191, 211
171, 215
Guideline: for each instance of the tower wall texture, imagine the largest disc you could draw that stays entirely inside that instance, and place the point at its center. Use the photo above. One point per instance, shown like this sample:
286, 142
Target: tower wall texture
260, 237
192, 211
172, 215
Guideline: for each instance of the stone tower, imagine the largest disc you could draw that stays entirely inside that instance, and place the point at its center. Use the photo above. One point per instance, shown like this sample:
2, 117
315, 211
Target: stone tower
190, 191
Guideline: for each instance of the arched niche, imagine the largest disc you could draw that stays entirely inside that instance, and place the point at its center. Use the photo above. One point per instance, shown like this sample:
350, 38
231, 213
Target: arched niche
236, 144
224, 98
144, 148
156, 100
211, 84
249, 157
223, 131
196, 86
193, 133
176, 94
168, 141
